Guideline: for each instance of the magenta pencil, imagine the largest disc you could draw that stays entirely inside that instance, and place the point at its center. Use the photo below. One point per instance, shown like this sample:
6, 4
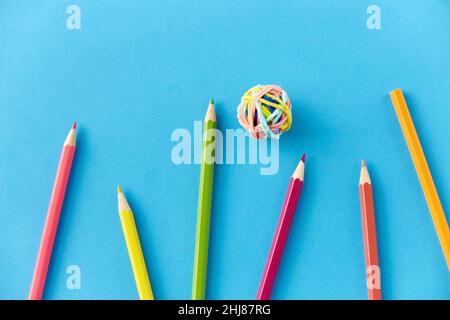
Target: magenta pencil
53, 213
282, 232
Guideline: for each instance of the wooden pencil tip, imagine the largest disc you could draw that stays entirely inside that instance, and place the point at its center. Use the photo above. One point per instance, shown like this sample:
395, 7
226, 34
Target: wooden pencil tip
211, 112
211, 101
122, 201
72, 136
299, 172
364, 177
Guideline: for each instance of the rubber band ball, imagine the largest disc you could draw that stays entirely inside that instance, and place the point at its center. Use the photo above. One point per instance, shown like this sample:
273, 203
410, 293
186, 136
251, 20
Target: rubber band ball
265, 111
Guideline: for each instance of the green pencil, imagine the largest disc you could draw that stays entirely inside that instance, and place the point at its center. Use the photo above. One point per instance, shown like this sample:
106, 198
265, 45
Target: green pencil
204, 204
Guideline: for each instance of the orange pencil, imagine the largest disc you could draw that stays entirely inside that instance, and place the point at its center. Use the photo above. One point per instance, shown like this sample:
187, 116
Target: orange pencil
373, 279
423, 172
53, 213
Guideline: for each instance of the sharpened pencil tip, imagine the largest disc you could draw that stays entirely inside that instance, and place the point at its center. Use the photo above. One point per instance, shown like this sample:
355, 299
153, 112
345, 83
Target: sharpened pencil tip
71, 136
211, 112
364, 177
299, 172
211, 101
122, 201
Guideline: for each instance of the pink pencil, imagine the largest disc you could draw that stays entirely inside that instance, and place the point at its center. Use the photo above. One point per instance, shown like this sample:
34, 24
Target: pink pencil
282, 232
53, 213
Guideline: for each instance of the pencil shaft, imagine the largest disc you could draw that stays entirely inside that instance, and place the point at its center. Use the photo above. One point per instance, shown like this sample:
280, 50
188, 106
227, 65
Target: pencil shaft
204, 213
280, 239
51, 223
370, 242
136, 255
423, 172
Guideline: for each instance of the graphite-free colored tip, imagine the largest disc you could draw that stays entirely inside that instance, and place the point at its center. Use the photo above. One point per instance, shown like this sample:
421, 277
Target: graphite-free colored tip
363, 163
303, 157
74, 126
211, 101
119, 190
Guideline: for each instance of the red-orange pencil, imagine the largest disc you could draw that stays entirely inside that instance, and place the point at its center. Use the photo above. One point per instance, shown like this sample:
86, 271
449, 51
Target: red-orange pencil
373, 277
53, 213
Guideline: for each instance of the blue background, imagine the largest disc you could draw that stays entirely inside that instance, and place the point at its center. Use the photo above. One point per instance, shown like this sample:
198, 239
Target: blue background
137, 70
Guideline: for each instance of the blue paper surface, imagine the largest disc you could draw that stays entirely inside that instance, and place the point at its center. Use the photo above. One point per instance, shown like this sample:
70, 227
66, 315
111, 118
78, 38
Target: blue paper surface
138, 70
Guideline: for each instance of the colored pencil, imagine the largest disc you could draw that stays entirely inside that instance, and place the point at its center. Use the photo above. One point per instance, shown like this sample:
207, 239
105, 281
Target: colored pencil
134, 248
204, 205
282, 232
373, 276
423, 172
53, 214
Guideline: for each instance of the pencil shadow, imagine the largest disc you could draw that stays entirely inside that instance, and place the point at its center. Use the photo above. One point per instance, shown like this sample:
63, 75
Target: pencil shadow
384, 239
297, 127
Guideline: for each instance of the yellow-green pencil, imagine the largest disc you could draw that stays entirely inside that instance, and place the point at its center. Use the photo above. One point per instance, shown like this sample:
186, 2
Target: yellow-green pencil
134, 248
204, 205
